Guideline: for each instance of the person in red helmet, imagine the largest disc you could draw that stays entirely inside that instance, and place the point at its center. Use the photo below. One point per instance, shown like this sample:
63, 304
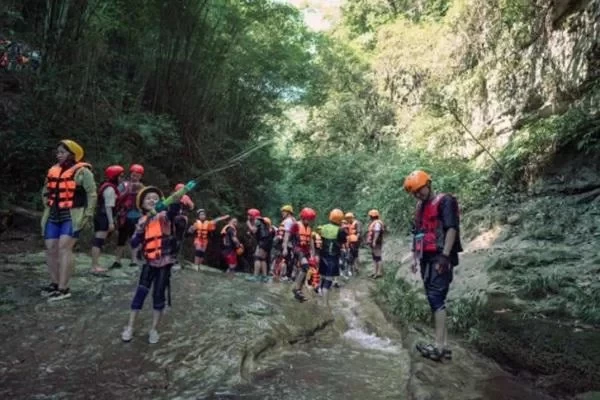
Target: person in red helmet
231, 247
180, 221
128, 214
104, 221
304, 248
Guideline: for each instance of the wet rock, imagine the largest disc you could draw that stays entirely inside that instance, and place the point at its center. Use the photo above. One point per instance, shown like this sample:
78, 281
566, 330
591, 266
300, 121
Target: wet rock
513, 219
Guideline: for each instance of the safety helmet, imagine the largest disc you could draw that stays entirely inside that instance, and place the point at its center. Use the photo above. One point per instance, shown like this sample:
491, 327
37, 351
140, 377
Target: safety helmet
139, 199
287, 208
73, 148
416, 180
336, 216
373, 213
179, 186
201, 211
136, 168
308, 214
349, 216
112, 172
253, 212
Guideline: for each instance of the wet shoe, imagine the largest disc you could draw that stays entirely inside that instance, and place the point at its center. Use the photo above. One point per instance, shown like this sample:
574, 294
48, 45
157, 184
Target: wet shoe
49, 289
298, 295
153, 336
116, 265
60, 295
430, 351
127, 334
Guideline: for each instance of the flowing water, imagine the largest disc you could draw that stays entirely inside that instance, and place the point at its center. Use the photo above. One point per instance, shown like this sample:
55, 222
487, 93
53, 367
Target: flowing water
222, 339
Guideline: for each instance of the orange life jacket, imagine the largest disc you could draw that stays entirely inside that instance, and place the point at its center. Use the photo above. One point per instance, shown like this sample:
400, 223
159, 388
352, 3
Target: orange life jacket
63, 182
305, 234
281, 230
153, 239
430, 235
202, 230
371, 231
353, 228
315, 277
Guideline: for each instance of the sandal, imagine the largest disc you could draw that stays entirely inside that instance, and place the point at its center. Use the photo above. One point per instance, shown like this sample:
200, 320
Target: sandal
430, 351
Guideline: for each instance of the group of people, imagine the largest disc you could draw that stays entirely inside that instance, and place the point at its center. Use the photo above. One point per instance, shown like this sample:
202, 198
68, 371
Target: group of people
297, 251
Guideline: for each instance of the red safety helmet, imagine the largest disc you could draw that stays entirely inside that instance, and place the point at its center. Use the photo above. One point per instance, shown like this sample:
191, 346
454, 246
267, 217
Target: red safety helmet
308, 214
254, 212
179, 186
137, 168
112, 172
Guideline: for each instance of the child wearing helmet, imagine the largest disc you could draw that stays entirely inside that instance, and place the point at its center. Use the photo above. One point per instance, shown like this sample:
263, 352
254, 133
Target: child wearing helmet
104, 221
375, 233
155, 237
304, 248
128, 213
231, 247
69, 198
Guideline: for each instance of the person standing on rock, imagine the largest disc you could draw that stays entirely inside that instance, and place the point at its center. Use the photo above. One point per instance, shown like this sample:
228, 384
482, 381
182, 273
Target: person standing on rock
375, 242
436, 246
354, 229
69, 197
202, 228
231, 246
128, 213
155, 236
329, 258
104, 221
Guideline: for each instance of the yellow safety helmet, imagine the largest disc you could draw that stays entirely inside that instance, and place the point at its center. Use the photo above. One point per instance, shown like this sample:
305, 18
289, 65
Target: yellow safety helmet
374, 213
143, 192
74, 148
287, 208
336, 216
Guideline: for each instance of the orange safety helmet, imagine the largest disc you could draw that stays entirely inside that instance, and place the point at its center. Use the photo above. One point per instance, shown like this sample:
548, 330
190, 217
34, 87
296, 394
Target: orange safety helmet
373, 213
336, 216
137, 168
112, 172
179, 186
416, 180
308, 214
254, 212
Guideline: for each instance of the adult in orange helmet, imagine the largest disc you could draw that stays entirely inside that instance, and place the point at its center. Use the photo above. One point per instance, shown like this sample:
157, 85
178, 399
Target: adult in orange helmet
179, 210
128, 213
436, 245
329, 258
69, 198
104, 221
354, 235
375, 242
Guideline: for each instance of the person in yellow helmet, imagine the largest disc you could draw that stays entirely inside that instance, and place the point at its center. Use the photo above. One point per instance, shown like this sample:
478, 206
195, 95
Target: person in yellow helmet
375, 242
285, 238
69, 198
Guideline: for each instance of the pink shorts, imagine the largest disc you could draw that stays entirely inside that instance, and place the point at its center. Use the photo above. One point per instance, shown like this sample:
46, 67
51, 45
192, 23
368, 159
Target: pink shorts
230, 257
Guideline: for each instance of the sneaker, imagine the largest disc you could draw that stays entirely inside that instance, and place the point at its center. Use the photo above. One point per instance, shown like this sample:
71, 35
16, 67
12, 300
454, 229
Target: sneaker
116, 265
153, 336
298, 295
127, 334
49, 289
60, 295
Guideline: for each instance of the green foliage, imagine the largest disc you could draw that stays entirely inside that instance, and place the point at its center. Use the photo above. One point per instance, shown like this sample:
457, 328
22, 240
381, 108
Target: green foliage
403, 301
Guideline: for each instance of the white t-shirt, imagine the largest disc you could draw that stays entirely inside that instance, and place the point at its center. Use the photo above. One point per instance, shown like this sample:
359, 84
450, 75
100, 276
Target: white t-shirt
110, 197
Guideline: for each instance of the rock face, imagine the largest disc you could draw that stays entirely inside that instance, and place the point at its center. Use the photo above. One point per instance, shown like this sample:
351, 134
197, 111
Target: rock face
550, 69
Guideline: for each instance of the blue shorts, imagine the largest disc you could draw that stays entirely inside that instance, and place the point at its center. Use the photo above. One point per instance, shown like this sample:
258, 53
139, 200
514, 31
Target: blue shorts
54, 230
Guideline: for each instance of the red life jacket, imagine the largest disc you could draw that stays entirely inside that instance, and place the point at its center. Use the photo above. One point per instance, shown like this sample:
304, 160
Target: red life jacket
430, 233
100, 204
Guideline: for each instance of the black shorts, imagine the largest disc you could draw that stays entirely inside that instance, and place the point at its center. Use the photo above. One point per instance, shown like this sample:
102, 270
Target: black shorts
100, 223
125, 232
354, 251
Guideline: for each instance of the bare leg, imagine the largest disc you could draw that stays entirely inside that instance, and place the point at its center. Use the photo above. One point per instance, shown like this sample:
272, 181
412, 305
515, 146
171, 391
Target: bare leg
132, 317
65, 249
156, 316
440, 328
97, 250
52, 259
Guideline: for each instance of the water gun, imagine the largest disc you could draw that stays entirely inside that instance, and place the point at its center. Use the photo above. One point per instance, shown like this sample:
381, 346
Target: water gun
163, 204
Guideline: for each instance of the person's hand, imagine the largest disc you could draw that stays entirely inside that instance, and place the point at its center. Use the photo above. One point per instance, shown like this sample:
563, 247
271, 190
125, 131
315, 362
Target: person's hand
111, 228
284, 252
443, 264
